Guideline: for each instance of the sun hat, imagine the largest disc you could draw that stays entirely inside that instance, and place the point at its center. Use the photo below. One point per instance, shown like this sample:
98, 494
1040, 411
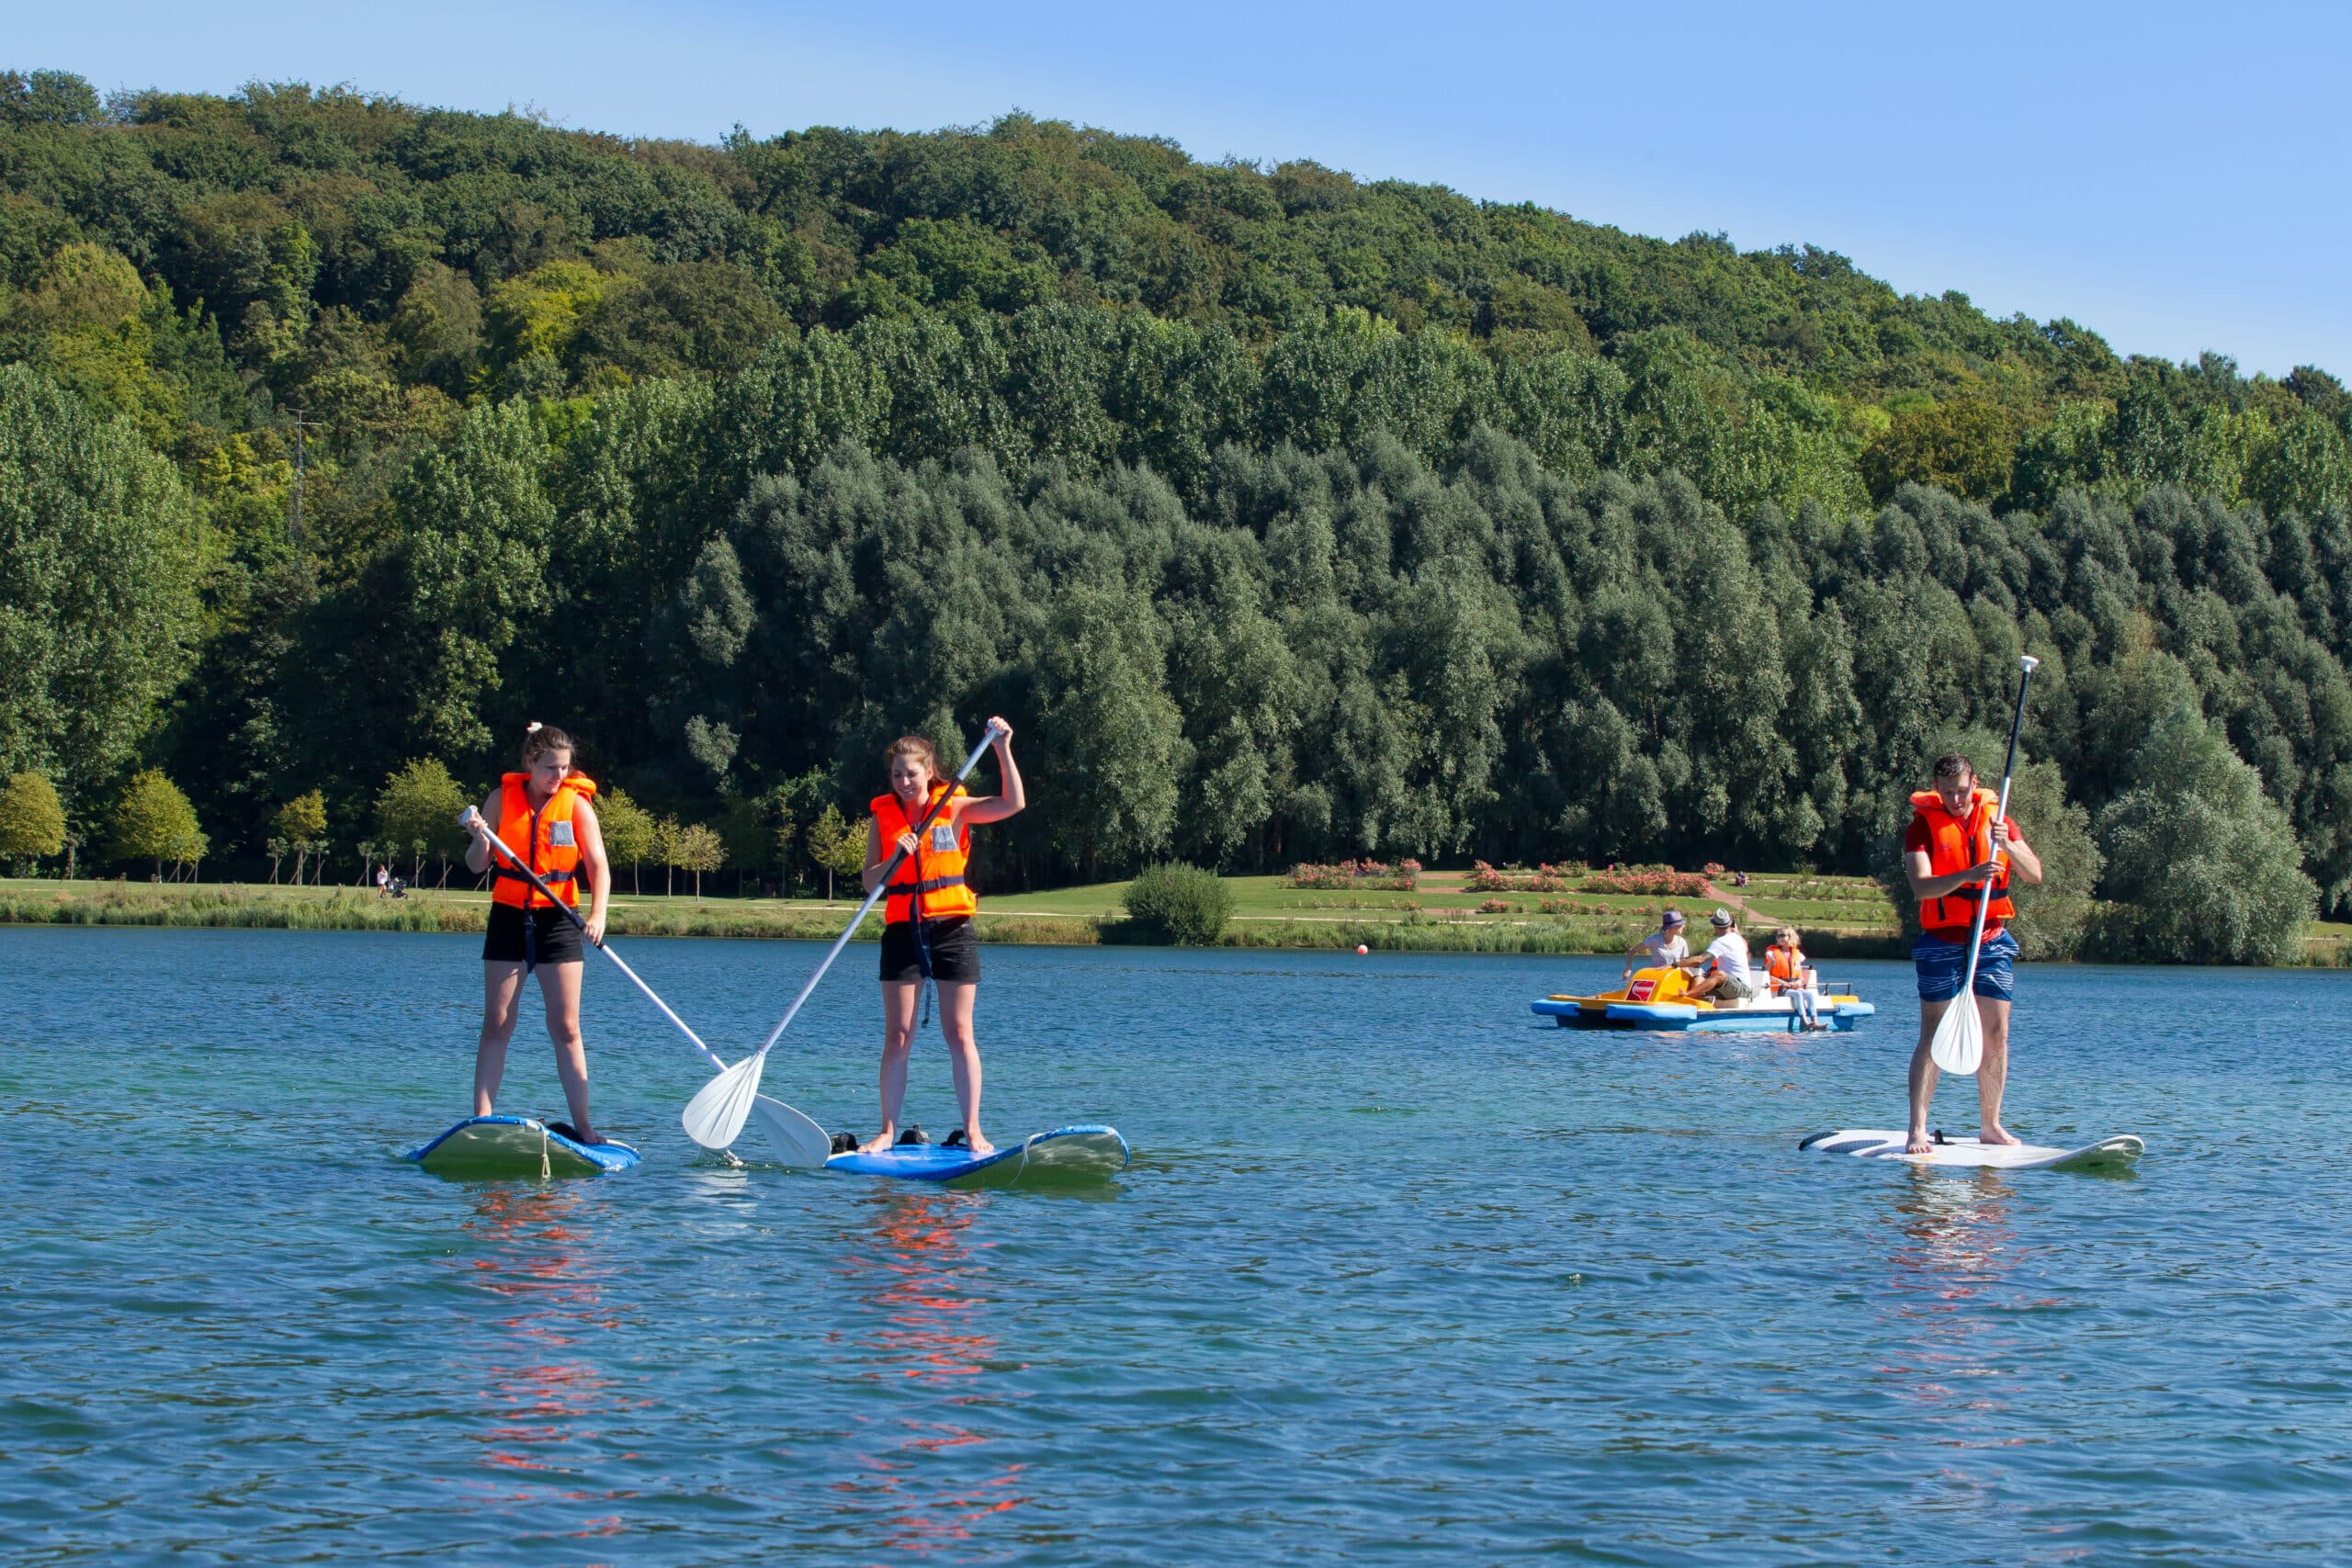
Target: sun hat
1720, 920
1673, 917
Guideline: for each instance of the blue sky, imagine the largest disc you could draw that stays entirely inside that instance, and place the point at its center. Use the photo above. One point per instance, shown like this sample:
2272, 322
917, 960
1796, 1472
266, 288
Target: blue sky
2172, 176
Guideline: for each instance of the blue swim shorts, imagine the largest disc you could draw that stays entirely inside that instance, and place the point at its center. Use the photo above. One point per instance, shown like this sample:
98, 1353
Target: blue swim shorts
1941, 963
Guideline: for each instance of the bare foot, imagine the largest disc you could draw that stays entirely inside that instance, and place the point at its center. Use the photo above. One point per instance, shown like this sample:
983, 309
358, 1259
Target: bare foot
880, 1141
1919, 1142
975, 1142
1996, 1134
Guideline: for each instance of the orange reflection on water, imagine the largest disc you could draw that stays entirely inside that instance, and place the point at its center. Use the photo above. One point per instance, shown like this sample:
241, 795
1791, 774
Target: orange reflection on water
916, 1270
543, 1397
1956, 1245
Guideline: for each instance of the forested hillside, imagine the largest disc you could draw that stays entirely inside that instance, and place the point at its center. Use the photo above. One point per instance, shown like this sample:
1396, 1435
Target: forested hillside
1288, 516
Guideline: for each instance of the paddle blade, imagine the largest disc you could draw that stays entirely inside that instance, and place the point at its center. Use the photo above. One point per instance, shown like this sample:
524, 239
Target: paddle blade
1959, 1043
794, 1138
715, 1117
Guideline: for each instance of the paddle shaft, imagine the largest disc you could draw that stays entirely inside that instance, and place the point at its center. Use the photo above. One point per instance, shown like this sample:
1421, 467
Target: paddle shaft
889, 869
472, 816
2000, 814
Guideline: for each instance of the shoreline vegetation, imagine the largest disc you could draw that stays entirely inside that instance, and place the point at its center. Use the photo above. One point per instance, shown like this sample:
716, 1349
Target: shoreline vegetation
1290, 518
1268, 913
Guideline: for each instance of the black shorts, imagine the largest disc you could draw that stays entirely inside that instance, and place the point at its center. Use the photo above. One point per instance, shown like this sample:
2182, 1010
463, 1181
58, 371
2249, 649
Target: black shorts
955, 953
554, 937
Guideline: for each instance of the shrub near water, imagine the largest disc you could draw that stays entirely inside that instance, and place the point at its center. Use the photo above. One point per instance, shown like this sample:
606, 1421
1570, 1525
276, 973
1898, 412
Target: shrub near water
1181, 904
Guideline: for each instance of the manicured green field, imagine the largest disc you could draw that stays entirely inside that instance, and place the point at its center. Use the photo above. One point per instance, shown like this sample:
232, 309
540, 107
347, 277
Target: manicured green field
1437, 916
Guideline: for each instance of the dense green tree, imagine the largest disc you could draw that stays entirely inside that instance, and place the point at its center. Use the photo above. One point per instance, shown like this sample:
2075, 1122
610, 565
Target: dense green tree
32, 819
2205, 867
758, 833
418, 808
98, 569
697, 848
152, 820
628, 831
1289, 517
1104, 714
837, 844
302, 823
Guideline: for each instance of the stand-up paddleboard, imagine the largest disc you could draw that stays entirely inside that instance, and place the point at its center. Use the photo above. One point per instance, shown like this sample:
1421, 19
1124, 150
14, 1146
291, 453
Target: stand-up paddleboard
2108, 1154
487, 1147
1066, 1154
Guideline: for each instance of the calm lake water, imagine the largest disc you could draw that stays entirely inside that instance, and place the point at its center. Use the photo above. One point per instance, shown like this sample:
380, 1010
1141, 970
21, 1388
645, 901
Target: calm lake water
1399, 1274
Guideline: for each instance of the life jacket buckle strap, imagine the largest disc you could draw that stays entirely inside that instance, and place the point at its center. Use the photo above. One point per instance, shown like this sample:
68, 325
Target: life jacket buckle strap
928, 885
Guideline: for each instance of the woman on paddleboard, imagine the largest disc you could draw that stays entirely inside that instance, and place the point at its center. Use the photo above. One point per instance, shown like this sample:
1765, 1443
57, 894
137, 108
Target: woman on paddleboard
542, 814
1955, 853
927, 922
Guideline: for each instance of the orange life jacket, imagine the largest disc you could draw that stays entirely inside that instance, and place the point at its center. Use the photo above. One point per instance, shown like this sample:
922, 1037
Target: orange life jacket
553, 849
1785, 965
934, 873
1955, 843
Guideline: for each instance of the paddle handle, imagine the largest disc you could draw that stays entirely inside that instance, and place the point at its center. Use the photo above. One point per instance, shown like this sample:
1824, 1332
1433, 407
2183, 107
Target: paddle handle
2000, 814
889, 869
470, 815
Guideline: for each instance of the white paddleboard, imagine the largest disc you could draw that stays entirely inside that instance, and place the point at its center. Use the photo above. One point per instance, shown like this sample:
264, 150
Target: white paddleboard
2106, 1154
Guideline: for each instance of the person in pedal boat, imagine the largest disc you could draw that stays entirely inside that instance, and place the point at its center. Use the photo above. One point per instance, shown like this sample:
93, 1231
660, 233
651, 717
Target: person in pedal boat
543, 814
1662, 946
927, 922
1790, 975
1728, 976
1955, 853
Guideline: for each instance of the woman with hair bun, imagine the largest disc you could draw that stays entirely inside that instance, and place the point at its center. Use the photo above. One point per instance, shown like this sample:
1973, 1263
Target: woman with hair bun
927, 922
543, 813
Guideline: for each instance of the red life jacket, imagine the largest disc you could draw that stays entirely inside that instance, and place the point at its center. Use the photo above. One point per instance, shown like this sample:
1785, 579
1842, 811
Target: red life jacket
1954, 844
543, 835
934, 873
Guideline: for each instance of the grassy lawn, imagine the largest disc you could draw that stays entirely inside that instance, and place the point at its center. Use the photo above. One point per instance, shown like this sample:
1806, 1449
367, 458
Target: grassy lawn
1441, 896
1850, 914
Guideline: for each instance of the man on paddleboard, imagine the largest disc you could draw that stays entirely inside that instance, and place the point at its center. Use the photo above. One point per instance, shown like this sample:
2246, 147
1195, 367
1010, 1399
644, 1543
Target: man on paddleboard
1955, 854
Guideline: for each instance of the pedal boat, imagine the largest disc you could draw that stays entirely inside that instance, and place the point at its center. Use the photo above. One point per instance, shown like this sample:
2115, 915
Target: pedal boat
1656, 1000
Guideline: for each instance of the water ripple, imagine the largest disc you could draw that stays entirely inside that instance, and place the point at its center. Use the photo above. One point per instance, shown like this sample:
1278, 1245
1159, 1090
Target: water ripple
1394, 1277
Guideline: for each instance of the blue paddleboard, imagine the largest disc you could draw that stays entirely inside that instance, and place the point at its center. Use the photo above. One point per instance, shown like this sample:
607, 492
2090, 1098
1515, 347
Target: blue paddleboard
487, 1147
1065, 1154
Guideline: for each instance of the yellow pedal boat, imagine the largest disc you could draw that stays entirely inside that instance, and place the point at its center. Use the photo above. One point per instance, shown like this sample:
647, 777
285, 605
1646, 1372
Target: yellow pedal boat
1655, 999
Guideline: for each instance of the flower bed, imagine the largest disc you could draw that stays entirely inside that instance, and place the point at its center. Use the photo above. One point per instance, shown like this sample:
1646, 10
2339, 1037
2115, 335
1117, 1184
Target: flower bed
1647, 880
1358, 875
1483, 878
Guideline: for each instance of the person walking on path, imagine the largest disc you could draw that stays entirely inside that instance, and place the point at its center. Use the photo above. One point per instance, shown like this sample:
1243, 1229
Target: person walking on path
1954, 854
927, 935
543, 814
